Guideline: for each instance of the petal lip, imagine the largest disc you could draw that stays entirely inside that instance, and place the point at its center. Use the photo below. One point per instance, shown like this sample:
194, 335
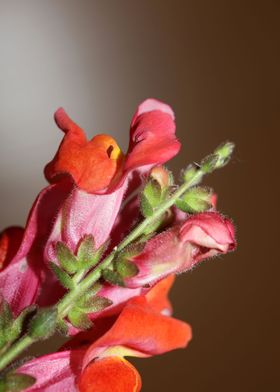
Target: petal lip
214, 225
141, 328
96, 166
91, 164
181, 247
150, 105
110, 374
152, 135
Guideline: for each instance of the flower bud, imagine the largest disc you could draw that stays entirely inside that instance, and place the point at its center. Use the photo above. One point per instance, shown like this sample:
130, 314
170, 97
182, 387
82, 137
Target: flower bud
182, 247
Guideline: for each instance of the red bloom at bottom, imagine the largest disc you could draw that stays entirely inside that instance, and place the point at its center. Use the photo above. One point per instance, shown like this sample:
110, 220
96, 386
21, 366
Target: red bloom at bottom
110, 374
94, 360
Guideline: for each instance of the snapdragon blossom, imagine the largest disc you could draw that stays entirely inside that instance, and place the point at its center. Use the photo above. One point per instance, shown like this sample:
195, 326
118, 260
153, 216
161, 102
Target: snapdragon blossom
99, 254
88, 183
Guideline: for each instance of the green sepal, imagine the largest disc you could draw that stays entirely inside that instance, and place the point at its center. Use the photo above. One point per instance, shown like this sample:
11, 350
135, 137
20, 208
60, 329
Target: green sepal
190, 173
126, 268
6, 321
15, 382
123, 264
93, 304
153, 192
66, 258
183, 206
112, 277
62, 276
197, 199
87, 297
208, 164
16, 328
86, 250
6, 315
79, 319
145, 206
43, 324
88, 256
224, 152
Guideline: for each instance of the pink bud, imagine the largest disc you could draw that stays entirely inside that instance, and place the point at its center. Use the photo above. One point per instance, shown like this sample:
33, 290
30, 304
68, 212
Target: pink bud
180, 248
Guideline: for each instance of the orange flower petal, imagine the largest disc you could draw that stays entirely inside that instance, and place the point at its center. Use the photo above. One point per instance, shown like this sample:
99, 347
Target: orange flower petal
142, 329
110, 374
157, 296
92, 164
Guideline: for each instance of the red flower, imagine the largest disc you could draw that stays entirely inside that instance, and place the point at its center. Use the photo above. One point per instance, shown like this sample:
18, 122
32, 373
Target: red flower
140, 330
89, 180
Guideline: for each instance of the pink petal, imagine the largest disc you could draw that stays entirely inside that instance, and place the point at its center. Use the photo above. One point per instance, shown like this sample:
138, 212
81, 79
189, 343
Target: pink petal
54, 372
84, 213
152, 136
19, 281
19, 285
209, 229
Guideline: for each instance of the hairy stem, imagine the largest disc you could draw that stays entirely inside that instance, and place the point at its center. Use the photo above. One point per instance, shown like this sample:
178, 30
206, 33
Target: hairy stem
15, 350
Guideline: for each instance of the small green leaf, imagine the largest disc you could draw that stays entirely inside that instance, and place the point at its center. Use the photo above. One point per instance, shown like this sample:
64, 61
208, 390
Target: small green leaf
43, 324
87, 297
16, 328
86, 249
62, 276
66, 258
95, 304
153, 192
197, 199
146, 208
183, 206
112, 277
6, 316
126, 268
92, 258
79, 319
15, 382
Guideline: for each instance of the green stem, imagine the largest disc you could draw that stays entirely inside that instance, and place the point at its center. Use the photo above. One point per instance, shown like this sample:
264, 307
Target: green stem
16, 349
67, 302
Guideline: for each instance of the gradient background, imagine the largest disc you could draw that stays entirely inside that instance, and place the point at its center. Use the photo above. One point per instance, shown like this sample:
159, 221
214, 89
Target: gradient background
217, 64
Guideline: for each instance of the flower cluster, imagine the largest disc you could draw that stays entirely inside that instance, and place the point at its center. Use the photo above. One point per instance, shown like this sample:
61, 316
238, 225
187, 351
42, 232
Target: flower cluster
98, 256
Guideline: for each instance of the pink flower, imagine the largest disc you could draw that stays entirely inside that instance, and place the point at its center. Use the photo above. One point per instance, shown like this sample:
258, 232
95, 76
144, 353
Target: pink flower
88, 183
182, 247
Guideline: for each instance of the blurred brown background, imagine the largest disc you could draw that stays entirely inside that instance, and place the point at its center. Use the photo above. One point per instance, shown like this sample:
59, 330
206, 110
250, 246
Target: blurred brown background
217, 64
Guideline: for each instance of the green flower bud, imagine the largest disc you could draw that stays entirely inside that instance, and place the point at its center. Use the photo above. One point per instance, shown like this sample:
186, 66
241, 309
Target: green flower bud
224, 152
